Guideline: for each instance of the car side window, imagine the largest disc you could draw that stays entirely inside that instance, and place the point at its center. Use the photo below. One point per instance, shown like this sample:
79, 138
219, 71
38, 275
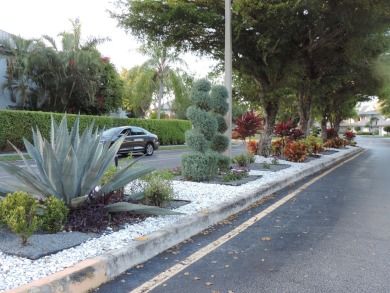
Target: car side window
137, 131
124, 131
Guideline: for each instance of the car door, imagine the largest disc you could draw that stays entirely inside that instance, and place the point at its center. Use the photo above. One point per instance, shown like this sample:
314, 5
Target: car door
127, 145
138, 139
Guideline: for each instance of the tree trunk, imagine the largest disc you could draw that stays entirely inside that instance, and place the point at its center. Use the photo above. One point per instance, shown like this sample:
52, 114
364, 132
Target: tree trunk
304, 103
336, 126
323, 128
271, 109
160, 96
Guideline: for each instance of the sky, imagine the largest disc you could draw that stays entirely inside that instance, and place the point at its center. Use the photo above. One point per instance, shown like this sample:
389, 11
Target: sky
32, 19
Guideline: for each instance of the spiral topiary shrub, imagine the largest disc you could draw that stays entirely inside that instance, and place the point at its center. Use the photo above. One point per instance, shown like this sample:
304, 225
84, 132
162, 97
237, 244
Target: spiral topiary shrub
206, 136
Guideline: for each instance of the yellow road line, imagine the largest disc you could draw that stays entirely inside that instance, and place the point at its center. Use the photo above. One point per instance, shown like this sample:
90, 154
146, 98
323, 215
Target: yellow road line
169, 273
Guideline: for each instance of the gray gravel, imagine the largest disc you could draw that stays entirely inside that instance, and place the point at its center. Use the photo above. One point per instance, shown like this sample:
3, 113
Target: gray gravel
40, 245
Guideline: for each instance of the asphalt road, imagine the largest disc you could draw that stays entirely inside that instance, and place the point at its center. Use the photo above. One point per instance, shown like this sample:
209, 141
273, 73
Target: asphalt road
161, 159
165, 158
332, 236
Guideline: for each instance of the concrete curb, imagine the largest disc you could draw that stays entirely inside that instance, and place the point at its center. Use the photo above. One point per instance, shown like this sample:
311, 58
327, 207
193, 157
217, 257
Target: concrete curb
91, 273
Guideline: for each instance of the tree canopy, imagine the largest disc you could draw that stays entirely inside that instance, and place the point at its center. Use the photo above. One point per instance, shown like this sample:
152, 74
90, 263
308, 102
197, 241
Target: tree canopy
279, 44
71, 76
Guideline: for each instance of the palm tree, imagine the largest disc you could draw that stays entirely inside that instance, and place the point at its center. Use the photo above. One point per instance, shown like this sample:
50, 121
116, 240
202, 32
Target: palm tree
166, 67
18, 79
76, 67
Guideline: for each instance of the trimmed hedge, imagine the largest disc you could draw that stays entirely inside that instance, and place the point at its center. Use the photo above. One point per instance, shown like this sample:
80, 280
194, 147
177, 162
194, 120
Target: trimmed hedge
14, 125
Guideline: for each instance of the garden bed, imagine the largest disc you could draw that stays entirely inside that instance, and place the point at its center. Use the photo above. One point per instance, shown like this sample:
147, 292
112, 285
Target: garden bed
43, 244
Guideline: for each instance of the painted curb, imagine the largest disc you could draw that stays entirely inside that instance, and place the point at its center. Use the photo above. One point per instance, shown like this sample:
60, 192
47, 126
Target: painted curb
92, 273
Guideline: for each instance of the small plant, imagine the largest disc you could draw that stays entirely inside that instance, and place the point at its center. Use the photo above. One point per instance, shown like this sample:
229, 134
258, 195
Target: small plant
244, 159
20, 214
336, 143
349, 135
248, 125
284, 128
108, 175
54, 214
277, 147
314, 144
234, 175
331, 133
252, 146
158, 189
176, 171
266, 166
295, 151
275, 161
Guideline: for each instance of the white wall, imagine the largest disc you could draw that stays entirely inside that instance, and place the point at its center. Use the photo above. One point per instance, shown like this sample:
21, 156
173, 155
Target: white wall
4, 95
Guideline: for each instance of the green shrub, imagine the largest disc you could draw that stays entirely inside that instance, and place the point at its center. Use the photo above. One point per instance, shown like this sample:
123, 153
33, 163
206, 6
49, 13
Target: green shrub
206, 138
54, 214
199, 166
16, 125
2, 212
266, 166
108, 175
244, 159
223, 163
20, 214
313, 144
219, 143
158, 189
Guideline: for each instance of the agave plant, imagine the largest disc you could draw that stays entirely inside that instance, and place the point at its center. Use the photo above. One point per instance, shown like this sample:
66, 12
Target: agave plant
70, 167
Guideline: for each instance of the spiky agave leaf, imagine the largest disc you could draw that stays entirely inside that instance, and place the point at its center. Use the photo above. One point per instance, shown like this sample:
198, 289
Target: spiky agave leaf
139, 209
68, 167
135, 196
27, 180
4, 192
123, 177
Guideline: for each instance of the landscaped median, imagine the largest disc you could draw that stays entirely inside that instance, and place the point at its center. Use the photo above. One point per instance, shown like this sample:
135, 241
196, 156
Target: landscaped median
99, 260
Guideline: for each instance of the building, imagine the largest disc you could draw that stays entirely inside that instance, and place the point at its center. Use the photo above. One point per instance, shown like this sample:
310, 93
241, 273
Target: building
367, 110
5, 97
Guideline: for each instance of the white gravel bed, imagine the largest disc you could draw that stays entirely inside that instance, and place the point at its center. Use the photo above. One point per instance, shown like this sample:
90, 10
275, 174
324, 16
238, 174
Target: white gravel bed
16, 271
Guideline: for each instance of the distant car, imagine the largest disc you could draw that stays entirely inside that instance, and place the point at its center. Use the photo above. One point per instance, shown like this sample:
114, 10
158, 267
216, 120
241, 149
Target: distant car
138, 140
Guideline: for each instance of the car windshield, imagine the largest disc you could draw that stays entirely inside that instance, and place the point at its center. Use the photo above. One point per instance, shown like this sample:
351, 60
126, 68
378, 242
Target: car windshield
110, 132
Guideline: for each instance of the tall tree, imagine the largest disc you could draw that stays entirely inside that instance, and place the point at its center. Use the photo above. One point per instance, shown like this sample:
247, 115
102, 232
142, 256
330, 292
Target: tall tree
273, 41
18, 80
71, 77
329, 35
166, 65
138, 94
260, 44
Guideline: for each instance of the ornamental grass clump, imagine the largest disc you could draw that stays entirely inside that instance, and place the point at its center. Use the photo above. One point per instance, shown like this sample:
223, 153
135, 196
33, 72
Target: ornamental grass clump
206, 137
244, 159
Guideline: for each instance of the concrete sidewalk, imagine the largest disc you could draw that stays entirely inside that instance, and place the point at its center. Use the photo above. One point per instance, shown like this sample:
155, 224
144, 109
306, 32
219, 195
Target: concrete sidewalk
91, 273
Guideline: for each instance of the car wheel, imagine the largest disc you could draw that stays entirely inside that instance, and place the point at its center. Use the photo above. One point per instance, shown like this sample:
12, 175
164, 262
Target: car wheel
149, 149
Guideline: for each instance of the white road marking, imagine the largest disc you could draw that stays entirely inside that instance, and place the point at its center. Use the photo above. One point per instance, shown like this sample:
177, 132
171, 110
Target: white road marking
169, 273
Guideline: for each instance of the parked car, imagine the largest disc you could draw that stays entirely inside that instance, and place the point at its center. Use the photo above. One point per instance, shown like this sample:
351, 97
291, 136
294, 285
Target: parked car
138, 140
